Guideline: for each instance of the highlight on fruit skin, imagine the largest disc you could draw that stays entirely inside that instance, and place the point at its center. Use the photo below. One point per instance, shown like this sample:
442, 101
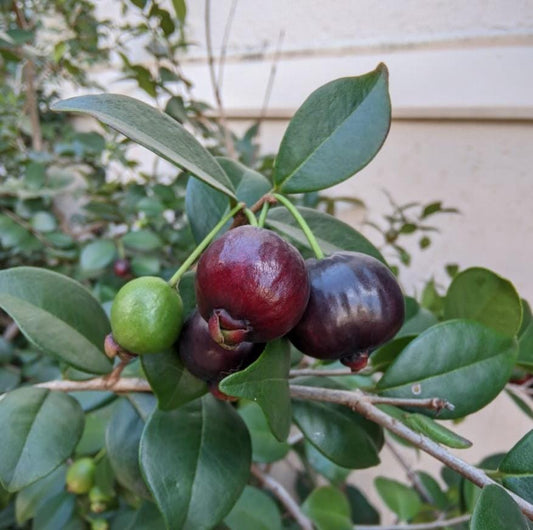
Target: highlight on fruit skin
355, 305
251, 286
146, 315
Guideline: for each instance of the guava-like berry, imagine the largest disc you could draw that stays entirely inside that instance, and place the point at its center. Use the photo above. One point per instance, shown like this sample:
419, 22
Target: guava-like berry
206, 359
251, 286
355, 305
146, 315
80, 476
122, 268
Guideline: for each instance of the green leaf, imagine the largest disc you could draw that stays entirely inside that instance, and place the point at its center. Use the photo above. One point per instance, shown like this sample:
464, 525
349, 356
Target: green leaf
206, 206
255, 510
362, 511
518, 468
398, 497
142, 240
265, 447
154, 130
57, 315
57, 512
436, 431
384, 356
437, 496
43, 222
328, 508
525, 338
520, 403
496, 510
196, 460
334, 473
147, 516
482, 295
97, 255
332, 235
335, 133
44, 428
335, 429
266, 381
123, 437
145, 265
180, 7
460, 361
31, 497
172, 384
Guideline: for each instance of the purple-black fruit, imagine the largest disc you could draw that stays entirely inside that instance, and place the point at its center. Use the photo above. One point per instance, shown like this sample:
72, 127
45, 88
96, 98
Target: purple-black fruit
207, 360
355, 305
251, 286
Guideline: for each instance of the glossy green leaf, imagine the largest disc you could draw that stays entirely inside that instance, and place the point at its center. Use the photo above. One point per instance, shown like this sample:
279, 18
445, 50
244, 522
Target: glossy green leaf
266, 382
146, 517
9, 378
525, 338
328, 508
520, 403
331, 234
145, 265
461, 361
432, 488
362, 511
57, 512
335, 429
436, 431
206, 206
142, 240
518, 468
57, 315
265, 447
44, 428
255, 510
154, 130
31, 497
171, 383
334, 473
335, 133
383, 357
93, 436
417, 319
196, 461
123, 437
482, 295
496, 510
97, 255
401, 499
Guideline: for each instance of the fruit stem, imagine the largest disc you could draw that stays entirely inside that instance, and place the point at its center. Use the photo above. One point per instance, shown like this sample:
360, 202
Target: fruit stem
303, 224
195, 254
252, 219
263, 214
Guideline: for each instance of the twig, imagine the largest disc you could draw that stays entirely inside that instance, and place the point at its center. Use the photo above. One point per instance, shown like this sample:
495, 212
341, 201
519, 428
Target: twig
361, 403
429, 403
228, 142
440, 523
120, 386
412, 476
32, 104
224, 45
283, 496
11, 331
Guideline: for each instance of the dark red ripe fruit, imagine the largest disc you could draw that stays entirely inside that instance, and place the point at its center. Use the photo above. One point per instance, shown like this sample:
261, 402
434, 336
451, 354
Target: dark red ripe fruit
355, 305
251, 285
205, 359
122, 268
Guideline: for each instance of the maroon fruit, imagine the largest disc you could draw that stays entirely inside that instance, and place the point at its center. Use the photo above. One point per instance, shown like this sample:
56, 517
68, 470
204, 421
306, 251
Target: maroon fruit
355, 305
251, 285
207, 360
122, 268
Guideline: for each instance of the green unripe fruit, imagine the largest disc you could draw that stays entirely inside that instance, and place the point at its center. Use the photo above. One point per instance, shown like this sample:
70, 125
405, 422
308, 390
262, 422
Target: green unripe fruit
99, 499
80, 476
146, 315
99, 524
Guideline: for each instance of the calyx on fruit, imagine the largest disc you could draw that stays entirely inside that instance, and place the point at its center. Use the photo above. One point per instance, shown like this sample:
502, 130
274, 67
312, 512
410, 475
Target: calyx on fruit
251, 286
146, 315
355, 305
206, 359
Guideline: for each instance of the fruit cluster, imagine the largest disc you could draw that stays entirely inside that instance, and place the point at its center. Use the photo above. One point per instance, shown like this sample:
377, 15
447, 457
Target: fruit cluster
253, 287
